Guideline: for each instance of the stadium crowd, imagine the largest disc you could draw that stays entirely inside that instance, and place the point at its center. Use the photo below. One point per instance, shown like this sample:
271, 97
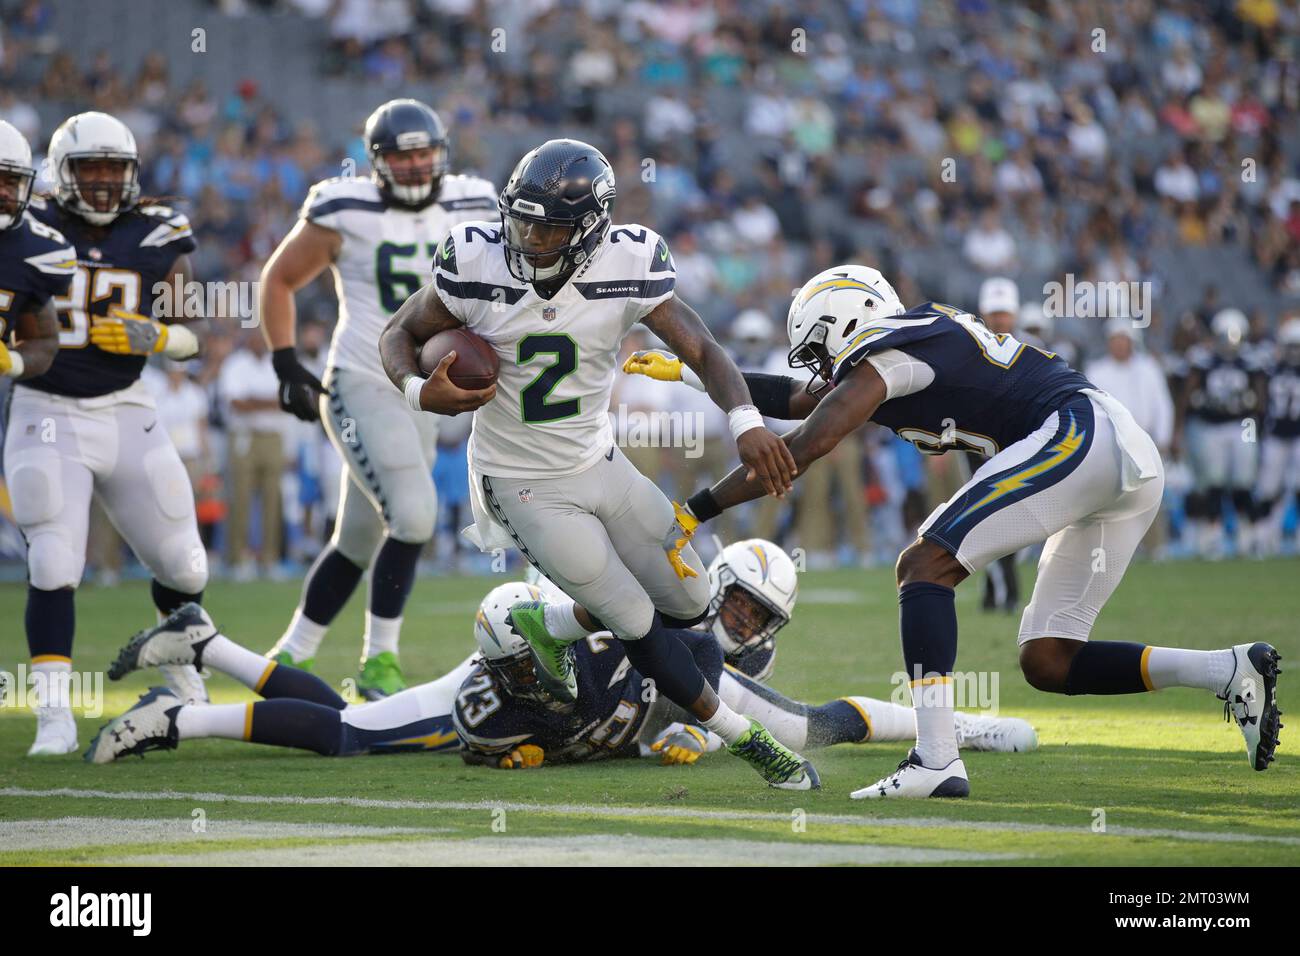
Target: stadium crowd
945, 143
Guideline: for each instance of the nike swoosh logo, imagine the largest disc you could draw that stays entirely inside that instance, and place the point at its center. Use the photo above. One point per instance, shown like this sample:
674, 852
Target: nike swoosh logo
610, 456
149, 428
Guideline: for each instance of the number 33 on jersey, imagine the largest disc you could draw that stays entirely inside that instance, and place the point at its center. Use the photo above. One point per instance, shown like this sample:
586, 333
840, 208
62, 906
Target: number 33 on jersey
558, 356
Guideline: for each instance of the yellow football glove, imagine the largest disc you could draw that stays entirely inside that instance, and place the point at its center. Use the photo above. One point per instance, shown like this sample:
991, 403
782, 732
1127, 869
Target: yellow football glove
682, 746
678, 536
128, 333
654, 363
6, 360
522, 758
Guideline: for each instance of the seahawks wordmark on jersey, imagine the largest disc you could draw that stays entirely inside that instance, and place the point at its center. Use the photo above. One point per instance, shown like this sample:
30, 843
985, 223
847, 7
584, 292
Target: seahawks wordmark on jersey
549, 418
985, 390
119, 265
387, 253
36, 264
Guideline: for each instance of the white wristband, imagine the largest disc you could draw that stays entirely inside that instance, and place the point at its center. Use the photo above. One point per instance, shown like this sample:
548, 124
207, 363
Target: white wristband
16, 364
182, 343
742, 418
412, 391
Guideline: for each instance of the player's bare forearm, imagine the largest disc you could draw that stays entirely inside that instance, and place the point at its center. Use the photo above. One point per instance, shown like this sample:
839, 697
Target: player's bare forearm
303, 255
419, 319
689, 338
37, 334
182, 273
844, 410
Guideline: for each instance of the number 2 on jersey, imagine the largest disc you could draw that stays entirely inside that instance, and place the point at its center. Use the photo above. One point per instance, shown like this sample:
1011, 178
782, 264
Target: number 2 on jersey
534, 403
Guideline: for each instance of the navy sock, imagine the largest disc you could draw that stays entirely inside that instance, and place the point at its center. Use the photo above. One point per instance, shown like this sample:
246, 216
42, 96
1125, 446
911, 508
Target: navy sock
927, 619
297, 723
392, 577
330, 582
665, 659
838, 722
1106, 667
51, 620
167, 600
293, 682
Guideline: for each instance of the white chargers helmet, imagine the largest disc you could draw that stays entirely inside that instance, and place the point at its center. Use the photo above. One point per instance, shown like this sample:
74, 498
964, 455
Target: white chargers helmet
752, 589
16, 176
506, 653
1230, 327
95, 138
830, 309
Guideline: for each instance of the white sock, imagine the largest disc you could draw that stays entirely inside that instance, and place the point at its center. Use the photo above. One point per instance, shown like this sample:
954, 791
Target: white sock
381, 635
302, 639
215, 720
1175, 667
886, 721
936, 738
562, 622
727, 724
249, 668
52, 688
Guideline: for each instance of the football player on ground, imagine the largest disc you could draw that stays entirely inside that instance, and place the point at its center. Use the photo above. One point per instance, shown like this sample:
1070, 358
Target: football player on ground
378, 235
1279, 464
553, 287
1068, 467
1224, 388
495, 692
88, 425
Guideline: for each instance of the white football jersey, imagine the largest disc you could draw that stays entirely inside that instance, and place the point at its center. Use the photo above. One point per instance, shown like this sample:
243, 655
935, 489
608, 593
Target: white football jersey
558, 356
386, 254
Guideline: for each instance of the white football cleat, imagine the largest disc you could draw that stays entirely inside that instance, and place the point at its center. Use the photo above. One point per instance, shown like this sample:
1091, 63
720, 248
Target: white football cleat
149, 725
175, 646
185, 681
1003, 734
1251, 699
914, 779
56, 732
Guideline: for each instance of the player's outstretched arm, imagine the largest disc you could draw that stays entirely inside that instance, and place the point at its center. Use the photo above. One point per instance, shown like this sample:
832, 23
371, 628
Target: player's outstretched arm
419, 319
302, 255
775, 396
762, 452
37, 342
846, 408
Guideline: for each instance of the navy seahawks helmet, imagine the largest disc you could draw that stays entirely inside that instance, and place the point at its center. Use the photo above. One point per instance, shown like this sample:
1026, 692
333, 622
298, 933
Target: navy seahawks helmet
555, 211
401, 125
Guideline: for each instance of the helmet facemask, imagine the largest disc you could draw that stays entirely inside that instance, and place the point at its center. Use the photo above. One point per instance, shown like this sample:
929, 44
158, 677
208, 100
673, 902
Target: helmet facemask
517, 677
15, 192
813, 355
742, 620
101, 195
417, 180
539, 250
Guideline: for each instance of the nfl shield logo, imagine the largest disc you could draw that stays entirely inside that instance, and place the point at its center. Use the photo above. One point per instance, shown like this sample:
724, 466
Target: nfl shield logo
526, 494
548, 313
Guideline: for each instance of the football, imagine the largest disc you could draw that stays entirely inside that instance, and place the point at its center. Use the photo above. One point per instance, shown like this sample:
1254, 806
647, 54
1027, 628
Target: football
476, 364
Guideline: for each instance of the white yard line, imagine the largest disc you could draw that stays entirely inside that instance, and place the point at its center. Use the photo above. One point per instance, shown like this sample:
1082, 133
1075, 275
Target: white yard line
577, 850
655, 813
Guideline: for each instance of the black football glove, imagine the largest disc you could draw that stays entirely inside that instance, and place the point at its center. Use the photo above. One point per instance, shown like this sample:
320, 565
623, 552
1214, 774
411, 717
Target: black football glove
300, 390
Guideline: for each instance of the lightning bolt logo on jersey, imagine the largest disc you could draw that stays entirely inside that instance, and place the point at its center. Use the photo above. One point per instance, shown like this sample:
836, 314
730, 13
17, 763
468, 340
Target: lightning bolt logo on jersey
36, 265
988, 390
387, 253
116, 265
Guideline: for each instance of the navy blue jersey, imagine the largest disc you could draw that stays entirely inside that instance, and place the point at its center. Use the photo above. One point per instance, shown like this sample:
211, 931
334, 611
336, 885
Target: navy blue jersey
36, 264
989, 390
119, 265
613, 700
1223, 386
1284, 401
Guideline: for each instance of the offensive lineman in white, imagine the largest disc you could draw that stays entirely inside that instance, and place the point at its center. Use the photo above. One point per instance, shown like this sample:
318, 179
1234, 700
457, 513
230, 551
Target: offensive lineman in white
553, 287
378, 234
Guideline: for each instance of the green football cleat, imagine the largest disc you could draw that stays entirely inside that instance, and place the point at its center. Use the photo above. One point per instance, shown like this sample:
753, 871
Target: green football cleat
380, 677
284, 657
552, 659
780, 766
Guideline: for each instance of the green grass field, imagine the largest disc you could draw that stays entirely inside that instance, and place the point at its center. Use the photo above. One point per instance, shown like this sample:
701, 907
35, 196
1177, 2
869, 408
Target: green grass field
1163, 772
